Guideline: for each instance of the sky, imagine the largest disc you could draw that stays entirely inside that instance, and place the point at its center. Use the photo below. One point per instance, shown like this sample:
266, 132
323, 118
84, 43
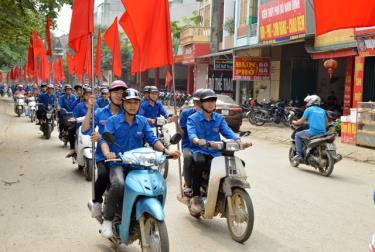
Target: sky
63, 20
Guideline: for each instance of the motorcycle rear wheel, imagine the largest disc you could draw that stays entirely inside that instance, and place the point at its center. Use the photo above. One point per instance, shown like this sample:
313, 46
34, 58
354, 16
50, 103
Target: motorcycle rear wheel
292, 154
156, 235
259, 118
241, 226
327, 171
88, 171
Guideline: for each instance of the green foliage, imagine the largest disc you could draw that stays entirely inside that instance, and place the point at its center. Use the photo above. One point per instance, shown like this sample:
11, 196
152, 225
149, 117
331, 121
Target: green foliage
193, 20
229, 25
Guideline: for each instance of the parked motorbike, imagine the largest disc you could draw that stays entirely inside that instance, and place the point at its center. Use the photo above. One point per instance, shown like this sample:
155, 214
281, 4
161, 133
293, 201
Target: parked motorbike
19, 107
269, 113
142, 214
32, 108
46, 119
318, 151
163, 135
224, 192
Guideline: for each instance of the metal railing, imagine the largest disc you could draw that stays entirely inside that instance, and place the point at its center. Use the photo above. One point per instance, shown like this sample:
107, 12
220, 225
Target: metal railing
195, 35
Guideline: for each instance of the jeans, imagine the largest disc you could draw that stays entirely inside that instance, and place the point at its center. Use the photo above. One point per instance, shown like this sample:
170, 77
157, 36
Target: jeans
188, 160
116, 192
200, 162
299, 138
101, 182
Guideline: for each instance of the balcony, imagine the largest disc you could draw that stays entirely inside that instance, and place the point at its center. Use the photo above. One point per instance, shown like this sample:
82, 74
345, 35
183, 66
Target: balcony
193, 35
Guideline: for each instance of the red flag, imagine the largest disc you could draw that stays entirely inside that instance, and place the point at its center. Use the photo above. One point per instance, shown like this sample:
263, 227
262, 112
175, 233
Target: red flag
168, 79
98, 55
48, 36
15, 73
1, 76
111, 38
70, 61
55, 71
147, 24
24, 72
20, 73
62, 74
30, 58
338, 14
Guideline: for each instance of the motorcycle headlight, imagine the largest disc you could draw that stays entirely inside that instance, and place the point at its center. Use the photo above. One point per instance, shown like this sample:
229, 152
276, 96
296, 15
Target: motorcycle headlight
49, 115
232, 146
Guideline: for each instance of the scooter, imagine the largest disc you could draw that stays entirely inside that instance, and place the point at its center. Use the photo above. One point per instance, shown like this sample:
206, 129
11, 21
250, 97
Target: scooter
9, 93
47, 120
142, 214
32, 108
68, 125
19, 104
224, 191
165, 138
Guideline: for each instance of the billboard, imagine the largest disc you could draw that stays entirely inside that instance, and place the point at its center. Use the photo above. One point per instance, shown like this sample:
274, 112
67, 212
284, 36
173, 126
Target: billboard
251, 68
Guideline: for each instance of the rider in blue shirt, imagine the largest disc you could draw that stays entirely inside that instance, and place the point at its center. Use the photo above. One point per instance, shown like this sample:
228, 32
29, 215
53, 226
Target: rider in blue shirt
78, 94
48, 98
130, 131
317, 119
205, 127
103, 99
64, 105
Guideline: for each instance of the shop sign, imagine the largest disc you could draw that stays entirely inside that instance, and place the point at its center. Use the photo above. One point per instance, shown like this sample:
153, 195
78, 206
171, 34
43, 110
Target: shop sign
366, 46
223, 64
282, 20
348, 86
358, 80
220, 81
251, 68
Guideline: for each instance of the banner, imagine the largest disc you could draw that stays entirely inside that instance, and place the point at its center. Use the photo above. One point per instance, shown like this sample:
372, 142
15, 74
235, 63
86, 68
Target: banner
251, 68
358, 80
282, 20
220, 81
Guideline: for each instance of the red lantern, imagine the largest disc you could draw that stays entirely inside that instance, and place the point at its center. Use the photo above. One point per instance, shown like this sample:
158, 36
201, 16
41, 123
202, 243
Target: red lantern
331, 66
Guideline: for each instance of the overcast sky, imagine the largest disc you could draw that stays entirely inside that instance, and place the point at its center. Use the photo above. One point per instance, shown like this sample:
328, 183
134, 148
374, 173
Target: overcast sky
63, 21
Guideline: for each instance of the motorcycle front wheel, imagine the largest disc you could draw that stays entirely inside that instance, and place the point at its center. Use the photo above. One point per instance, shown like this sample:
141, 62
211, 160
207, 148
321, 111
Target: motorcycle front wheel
164, 168
330, 163
292, 154
48, 131
241, 224
156, 235
259, 118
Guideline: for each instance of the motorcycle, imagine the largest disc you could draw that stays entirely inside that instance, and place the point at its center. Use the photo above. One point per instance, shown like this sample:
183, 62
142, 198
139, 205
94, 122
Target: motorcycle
68, 125
224, 191
318, 151
142, 214
2, 92
46, 120
19, 104
32, 108
9, 93
165, 138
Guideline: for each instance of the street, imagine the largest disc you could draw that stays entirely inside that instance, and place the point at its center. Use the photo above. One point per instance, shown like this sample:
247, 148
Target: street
44, 201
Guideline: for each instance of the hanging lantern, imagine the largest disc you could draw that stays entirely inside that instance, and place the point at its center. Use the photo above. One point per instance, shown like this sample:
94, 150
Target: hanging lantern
331, 66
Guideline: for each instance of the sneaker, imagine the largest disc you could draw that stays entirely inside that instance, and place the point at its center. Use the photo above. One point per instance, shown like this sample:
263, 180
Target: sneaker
107, 229
96, 210
297, 158
188, 192
70, 154
196, 205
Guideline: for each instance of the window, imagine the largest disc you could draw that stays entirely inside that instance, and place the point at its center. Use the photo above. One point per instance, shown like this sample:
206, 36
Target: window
243, 12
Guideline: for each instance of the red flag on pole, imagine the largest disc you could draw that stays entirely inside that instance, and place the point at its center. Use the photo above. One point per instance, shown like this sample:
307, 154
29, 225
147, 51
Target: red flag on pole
61, 64
111, 38
48, 36
98, 55
19, 73
24, 72
147, 24
70, 61
338, 14
168, 79
30, 58
1, 76
15, 73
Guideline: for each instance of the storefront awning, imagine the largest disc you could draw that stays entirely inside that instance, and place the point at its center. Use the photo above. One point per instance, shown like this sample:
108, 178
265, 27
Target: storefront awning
332, 51
216, 54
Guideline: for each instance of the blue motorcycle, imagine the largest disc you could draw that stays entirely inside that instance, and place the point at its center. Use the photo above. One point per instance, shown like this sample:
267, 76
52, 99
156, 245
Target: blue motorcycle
142, 215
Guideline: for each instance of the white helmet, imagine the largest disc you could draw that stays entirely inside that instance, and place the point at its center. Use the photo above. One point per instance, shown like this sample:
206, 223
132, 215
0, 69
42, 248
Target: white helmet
312, 100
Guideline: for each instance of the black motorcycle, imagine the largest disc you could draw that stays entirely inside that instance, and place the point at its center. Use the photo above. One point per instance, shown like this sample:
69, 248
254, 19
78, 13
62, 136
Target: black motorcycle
68, 125
267, 113
45, 115
318, 151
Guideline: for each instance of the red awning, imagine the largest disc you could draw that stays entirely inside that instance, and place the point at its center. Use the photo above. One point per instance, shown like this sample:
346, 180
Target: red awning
334, 54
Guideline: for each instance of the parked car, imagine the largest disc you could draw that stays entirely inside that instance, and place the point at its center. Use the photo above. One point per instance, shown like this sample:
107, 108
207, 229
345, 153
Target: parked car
226, 106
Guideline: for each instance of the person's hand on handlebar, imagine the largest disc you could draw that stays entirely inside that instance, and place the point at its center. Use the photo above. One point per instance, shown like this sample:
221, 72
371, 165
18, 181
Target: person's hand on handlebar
110, 155
173, 118
173, 154
200, 142
246, 145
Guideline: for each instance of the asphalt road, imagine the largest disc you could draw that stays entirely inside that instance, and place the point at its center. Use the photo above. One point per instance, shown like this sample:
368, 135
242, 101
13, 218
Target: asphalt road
44, 198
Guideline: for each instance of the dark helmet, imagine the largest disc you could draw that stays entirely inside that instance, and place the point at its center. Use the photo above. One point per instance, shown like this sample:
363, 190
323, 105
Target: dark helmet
43, 85
117, 84
77, 86
146, 89
86, 89
197, 94
131, 93
153, 89
207, 94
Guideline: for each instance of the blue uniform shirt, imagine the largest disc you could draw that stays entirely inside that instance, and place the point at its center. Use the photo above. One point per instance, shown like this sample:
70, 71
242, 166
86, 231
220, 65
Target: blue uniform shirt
152, 112
316, 116
79, 111
185, 143
198, 126
67, 102
46, 99
129, 137
100, 103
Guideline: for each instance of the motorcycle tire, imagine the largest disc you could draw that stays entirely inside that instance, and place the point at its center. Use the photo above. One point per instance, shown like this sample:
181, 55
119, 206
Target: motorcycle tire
241, 197
18, 113
48, 131
88, 170
251, 118
285, 120
155, 229
164, 169
259, 118
329, 166
32, 117
292, 154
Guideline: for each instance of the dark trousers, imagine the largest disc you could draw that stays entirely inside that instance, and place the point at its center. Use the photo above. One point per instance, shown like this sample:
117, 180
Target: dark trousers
201, 162
101, 182
116, 192
72, 138
188, 161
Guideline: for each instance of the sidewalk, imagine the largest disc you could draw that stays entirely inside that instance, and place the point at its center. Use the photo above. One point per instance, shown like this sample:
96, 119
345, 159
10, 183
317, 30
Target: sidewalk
281, 134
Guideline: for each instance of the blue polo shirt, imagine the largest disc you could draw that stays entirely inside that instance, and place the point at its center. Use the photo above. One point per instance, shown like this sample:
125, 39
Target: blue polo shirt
316, 117
129, 137
185, 143
46, 99
67, 102
79, 111
198, 126
101, 103
152, 112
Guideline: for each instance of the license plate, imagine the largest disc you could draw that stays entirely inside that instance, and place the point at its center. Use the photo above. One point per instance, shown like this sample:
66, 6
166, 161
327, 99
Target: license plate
225, 112
331, 147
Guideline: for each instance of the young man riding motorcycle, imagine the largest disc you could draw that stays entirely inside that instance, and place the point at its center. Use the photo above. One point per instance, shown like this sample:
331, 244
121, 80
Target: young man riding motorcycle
130, 130
103, 99
317, 119
45, 99
204, 128
78, 94
152, 108
185, 143
116, 90
65, 102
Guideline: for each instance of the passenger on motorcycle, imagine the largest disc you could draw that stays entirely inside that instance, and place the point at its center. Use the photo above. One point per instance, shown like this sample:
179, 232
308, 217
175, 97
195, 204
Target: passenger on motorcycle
205, 127
130, 131
78, 94
116, 90
152, 108
103, 99
19, 90
185, 143
316, 117
65, 102
146, 94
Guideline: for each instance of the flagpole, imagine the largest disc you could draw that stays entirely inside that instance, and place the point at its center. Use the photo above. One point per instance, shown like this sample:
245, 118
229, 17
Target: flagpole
92, 116
177, 128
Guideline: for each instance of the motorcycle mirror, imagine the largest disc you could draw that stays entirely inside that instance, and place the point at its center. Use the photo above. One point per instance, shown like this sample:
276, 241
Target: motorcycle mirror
109, 138
245, 133
176, 138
